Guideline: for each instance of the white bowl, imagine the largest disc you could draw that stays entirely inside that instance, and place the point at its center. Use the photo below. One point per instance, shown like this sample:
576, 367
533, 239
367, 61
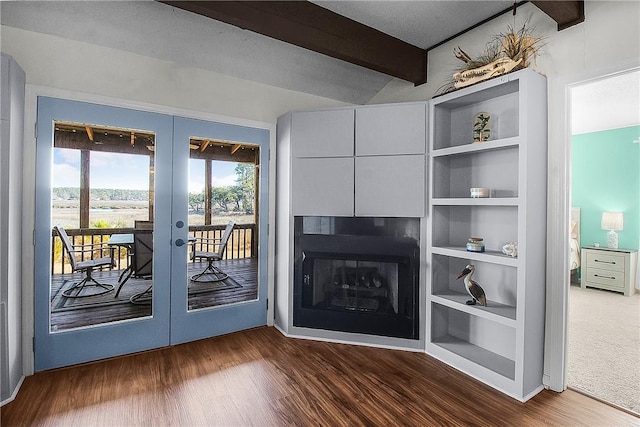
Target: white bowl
479, 192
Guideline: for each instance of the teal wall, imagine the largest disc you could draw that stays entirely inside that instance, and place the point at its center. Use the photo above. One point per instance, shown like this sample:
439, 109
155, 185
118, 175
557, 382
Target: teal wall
605, 176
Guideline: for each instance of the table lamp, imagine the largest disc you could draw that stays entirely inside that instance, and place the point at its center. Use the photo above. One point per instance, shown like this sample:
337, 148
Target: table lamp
612, 221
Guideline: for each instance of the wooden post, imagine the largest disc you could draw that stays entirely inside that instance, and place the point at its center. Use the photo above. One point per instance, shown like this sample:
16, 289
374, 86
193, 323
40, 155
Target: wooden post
256, 205
85, 163
152, 191
208, 192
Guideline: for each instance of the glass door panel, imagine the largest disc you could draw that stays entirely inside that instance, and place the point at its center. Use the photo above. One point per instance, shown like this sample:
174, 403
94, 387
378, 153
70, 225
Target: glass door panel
102, 200
222, 264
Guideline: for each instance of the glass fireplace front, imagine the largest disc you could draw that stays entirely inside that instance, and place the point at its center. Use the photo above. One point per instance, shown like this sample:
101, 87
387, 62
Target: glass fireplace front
363, 283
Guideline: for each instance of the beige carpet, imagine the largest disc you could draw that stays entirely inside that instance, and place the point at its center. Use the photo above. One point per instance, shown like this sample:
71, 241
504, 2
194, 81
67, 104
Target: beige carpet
604, 345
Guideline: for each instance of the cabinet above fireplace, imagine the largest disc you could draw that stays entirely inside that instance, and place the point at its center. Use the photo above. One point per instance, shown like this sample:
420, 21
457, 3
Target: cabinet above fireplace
363, 161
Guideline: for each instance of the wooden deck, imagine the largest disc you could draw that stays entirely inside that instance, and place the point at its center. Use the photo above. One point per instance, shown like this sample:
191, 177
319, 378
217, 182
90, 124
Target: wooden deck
69, 313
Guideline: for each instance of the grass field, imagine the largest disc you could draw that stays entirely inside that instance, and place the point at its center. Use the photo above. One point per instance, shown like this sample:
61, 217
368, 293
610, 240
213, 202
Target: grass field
120, 214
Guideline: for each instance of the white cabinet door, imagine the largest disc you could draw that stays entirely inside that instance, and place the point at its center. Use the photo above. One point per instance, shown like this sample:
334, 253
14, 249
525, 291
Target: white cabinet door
322, 133
391, 129
390, 186
322, 187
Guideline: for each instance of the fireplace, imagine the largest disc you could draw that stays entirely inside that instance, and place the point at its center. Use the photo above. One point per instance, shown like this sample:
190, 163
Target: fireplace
357, 275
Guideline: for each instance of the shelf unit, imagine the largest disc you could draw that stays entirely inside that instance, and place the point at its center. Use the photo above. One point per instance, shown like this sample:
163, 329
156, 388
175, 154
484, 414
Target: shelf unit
501, 344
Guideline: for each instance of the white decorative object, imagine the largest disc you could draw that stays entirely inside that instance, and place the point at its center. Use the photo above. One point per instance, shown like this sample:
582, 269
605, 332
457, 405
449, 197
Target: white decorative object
498, 67
510, 249
612, 221
476, 192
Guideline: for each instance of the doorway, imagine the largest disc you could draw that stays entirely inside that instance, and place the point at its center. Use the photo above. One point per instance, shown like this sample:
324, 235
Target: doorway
120, 232
602, 337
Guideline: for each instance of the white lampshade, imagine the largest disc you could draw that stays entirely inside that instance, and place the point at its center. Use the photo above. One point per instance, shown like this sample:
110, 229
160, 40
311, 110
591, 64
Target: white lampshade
612, 221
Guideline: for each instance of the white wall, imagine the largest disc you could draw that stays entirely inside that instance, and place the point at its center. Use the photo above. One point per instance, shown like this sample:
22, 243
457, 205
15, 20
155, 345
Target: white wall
61, 63
11, 127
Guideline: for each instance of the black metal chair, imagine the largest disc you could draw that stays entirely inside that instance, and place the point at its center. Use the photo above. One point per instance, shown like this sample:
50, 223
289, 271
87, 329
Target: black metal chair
85, 266
212, 273
141, 259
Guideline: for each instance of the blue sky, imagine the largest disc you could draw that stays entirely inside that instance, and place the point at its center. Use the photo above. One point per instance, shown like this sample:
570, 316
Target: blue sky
128, 171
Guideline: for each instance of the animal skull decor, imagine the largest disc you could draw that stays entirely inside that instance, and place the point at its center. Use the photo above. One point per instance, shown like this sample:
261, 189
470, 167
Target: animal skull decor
507, 52
493, 69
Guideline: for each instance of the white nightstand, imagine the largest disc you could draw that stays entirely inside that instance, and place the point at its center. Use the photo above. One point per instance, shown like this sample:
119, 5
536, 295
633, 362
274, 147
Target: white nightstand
611, 269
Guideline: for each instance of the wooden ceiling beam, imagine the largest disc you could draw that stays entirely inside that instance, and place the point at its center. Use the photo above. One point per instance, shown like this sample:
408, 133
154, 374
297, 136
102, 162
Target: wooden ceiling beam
565, 13
89, 133
318, 29
112, 143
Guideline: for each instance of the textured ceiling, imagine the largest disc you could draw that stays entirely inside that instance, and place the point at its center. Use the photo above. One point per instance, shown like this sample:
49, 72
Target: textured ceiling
420, 23
609, 103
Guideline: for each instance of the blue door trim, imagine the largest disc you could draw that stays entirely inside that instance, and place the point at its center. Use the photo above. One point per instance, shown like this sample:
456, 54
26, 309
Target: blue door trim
192, 325
168, 325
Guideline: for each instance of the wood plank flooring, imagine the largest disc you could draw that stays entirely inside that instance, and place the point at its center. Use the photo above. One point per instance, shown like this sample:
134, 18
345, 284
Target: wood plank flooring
101, 309
259, 377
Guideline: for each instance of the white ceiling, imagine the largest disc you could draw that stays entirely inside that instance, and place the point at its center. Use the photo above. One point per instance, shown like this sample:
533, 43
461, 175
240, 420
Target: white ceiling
420, 23
609, 103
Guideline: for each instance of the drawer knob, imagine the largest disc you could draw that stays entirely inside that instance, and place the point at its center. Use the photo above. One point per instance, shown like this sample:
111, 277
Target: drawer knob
606, 262
605, 277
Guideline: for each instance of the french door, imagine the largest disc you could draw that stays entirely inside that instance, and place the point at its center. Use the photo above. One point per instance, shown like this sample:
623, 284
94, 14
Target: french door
120, 184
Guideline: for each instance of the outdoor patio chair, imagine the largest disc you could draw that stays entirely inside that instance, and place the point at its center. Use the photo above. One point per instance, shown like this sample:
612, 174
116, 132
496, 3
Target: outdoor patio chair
211, 273
85, 266
141, 259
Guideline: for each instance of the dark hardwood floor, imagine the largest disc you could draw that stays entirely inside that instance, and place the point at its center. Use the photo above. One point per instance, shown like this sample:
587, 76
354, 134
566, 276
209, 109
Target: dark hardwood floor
260, 377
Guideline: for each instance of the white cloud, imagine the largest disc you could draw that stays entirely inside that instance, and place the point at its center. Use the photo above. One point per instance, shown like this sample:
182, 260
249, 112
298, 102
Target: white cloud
65, 175
67, 155
223, 181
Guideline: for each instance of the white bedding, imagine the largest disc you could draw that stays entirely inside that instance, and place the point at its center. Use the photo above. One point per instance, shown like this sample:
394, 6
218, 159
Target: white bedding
574, 241
574, 259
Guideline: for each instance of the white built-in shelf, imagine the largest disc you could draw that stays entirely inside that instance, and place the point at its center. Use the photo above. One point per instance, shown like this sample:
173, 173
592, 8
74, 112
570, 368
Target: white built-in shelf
492, 256
481, 92
502, 344
494, 311
488, 359
479, 147
480, 201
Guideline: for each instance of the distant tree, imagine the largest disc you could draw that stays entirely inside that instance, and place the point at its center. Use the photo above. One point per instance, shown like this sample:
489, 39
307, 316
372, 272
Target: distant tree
236, 194
221, 196
196, 201
73, 193
245, 179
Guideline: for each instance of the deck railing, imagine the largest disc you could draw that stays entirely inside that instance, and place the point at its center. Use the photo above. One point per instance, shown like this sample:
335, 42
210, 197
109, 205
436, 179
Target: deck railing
241, 244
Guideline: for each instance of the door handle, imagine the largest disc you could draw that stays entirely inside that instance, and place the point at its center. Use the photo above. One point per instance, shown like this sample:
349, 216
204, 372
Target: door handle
179, 242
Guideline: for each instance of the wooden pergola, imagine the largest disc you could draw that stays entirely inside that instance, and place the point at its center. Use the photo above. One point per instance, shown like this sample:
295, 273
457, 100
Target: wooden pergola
88, 138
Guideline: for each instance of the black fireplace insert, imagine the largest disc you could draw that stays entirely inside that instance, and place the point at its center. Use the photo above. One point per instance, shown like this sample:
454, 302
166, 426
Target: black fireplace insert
357, 275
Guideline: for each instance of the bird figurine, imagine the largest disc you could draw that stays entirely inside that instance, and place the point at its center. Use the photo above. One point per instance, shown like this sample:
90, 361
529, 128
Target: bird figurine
473, 288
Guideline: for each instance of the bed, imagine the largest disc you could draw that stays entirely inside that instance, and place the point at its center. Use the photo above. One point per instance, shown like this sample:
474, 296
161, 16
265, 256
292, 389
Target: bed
574, 241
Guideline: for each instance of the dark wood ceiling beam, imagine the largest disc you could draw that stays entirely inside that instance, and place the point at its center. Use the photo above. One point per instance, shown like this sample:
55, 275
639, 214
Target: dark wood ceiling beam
312, 27
565, 13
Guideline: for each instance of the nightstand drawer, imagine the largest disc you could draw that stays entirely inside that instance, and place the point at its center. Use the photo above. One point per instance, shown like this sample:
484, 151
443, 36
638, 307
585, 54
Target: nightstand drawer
605, 260
608, 278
